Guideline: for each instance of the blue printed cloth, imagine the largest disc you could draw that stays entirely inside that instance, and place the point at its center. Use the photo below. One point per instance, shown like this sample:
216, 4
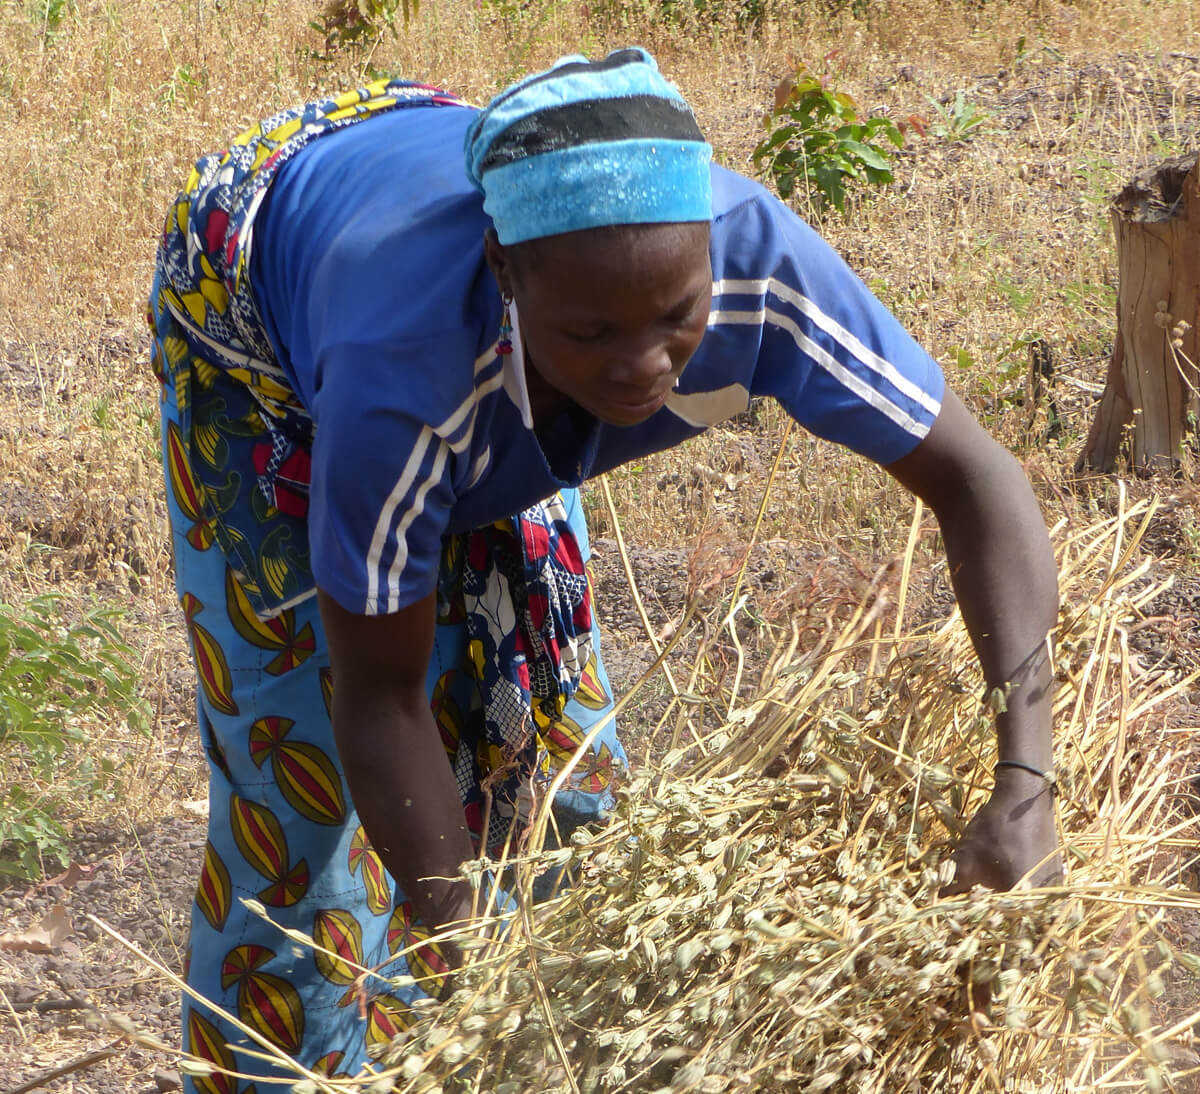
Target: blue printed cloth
515, 681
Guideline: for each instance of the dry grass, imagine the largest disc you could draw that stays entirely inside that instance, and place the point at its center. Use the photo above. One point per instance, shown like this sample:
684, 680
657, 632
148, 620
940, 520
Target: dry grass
979, 247
734, 930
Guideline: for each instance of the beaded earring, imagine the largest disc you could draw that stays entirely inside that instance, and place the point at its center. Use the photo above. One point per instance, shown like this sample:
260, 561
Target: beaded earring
504, 345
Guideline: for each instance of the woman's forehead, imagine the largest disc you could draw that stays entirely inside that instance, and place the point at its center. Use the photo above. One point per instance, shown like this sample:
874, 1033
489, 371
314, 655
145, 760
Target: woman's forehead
625, 247
642, 276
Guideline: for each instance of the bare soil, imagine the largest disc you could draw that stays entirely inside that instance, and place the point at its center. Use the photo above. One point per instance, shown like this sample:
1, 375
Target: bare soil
138, 878
139, 881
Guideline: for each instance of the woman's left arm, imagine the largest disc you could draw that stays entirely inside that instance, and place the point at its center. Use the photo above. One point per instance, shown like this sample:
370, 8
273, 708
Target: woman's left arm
1004, 576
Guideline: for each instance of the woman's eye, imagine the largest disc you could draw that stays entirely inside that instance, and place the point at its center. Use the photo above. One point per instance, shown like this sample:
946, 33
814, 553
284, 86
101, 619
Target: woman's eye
585, 334
681, 316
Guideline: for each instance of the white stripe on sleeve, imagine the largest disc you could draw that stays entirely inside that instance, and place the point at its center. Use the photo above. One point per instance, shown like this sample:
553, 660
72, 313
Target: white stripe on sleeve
463, 418
850, 342
384, 523
418, 505
827, 362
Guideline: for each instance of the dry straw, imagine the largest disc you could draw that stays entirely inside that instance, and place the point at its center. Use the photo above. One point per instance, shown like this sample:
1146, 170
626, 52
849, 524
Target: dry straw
734, 930
888, 746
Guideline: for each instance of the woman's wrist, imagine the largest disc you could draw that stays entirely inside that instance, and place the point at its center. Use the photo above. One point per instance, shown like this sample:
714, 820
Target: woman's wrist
1018, 779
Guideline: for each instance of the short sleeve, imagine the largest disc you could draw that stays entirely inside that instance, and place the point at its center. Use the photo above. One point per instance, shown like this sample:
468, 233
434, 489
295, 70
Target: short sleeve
382, 477
812, 334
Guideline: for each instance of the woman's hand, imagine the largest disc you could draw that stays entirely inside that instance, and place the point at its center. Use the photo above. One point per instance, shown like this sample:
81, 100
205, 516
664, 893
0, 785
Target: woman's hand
1012, 837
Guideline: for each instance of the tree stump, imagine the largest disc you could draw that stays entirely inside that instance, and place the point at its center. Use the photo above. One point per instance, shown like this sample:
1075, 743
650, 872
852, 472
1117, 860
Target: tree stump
1151, 394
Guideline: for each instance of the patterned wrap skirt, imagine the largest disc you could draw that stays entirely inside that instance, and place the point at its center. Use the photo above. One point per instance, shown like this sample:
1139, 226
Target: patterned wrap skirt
513, 693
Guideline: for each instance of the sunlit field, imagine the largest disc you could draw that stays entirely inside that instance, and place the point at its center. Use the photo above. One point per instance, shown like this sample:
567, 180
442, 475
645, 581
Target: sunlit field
816, 704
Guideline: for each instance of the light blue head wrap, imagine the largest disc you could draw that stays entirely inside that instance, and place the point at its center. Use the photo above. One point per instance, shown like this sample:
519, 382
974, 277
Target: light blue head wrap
589, 145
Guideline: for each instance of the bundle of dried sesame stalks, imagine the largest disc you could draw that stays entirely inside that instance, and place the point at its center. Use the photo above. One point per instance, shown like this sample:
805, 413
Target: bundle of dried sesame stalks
734, 931
762, 913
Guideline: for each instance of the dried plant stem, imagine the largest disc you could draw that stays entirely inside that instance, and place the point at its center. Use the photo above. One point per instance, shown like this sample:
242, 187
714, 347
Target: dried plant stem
80, 1063
914, 533
544, 1001
271, 1052
635, 592
736, 596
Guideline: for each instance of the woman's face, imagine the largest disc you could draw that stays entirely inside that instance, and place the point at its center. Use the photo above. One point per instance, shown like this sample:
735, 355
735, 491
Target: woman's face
610, 316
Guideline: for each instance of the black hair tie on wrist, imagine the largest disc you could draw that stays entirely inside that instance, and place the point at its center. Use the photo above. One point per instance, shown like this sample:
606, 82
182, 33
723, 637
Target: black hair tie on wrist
1047, 775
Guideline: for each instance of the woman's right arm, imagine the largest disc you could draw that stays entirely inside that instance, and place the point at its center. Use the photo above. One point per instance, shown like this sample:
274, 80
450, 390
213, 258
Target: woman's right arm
392, 754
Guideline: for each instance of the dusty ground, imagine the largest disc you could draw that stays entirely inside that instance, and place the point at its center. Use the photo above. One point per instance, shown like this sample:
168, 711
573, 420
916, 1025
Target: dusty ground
138, 879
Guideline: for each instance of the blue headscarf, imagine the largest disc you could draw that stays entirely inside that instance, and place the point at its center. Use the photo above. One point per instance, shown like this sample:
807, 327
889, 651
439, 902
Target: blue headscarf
589, 145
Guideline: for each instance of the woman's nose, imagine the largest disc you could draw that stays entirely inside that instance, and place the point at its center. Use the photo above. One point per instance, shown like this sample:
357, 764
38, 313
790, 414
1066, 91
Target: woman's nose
641, 366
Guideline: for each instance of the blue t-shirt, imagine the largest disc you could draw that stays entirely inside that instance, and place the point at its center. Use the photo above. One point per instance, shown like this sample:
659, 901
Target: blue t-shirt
368, 268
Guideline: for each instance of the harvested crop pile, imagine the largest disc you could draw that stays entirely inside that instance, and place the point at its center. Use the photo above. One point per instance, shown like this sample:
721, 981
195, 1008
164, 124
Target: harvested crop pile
731, 931
736, 930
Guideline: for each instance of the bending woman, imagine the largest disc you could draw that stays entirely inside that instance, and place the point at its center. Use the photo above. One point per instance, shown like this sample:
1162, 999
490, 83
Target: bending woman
380, 357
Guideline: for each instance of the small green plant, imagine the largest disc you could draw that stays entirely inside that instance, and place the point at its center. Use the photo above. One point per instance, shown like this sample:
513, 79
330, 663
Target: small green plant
361, 22
816, 139
60, 685
1089, 297
1019, 293
958, 119
1024, 54
47, 16
182, 85
101, 413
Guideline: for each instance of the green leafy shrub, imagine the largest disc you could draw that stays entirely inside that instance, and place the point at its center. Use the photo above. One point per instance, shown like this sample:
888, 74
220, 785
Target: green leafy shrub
816, 139
959, 119
60, 685
361, 22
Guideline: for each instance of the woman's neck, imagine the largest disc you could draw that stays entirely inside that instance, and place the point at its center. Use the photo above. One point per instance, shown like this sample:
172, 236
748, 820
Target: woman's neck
545, 402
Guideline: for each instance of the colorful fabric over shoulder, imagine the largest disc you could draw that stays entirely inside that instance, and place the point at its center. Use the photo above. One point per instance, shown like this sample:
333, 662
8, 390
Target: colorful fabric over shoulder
202, 281
516, 682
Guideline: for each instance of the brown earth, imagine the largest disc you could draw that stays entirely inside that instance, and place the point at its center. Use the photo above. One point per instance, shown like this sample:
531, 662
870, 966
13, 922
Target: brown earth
138, 878
139, 881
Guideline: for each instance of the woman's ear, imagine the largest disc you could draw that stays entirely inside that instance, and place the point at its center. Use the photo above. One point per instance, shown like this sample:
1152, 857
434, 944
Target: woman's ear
498, 262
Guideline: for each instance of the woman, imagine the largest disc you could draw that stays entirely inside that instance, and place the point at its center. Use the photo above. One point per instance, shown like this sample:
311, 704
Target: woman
373, 354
